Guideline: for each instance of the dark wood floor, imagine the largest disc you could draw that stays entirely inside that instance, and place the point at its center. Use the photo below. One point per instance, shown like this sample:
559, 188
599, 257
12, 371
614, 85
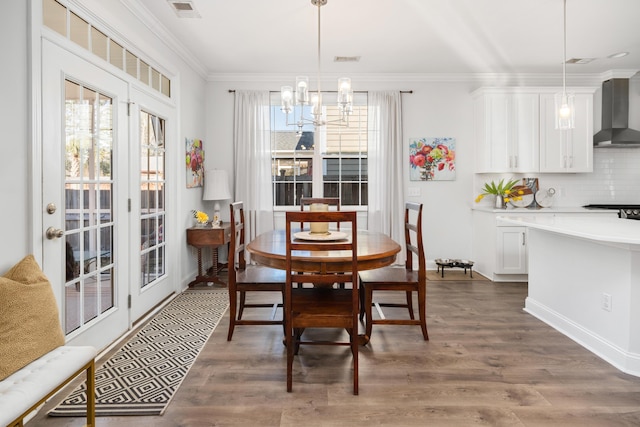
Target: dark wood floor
488, 363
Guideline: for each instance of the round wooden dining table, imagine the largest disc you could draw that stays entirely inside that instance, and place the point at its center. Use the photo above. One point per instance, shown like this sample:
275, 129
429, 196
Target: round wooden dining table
375, 250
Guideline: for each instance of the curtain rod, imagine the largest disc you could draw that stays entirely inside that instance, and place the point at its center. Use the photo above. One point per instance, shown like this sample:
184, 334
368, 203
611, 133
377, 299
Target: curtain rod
333, 91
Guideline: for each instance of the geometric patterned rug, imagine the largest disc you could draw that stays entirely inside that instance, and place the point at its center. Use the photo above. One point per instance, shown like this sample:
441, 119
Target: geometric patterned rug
143, 375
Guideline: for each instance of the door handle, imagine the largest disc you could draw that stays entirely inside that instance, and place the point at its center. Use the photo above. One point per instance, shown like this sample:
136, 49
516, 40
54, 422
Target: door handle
54, 233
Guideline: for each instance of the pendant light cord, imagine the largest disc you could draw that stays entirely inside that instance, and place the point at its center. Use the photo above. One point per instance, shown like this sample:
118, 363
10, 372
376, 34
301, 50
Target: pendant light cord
319, 60
564, 51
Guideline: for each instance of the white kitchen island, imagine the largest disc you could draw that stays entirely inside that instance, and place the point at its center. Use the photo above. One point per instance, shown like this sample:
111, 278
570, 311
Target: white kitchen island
584, 281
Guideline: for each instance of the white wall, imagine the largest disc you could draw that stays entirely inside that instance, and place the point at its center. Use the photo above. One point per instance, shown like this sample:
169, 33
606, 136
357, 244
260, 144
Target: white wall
14, 144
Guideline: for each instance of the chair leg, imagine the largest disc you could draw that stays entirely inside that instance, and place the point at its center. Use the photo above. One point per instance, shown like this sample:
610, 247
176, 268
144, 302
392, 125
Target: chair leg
289, 342
422, 311
410, 304
242, 300
355, 350
361, 296
233, 296
368, 302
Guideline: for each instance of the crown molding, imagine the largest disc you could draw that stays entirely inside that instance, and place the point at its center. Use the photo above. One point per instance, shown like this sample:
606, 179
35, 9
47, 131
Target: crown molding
164, 35
487, 79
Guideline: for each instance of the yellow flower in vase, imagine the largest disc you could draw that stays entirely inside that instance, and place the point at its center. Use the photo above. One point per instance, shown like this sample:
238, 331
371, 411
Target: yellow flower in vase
201, 217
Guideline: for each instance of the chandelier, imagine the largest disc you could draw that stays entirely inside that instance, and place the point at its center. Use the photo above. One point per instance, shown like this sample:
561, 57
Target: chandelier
301, 98
565, 110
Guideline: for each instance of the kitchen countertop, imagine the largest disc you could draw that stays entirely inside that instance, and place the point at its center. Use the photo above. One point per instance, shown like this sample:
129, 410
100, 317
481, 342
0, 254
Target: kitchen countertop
551, 210
610, 230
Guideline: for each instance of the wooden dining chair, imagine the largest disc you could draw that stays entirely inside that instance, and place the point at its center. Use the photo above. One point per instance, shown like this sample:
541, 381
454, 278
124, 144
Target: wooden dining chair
401, 279
245, 277
306, 202
321, 306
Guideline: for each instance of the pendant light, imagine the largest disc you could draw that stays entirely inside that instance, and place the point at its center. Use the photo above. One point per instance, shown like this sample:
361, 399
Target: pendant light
299, 97
565, 111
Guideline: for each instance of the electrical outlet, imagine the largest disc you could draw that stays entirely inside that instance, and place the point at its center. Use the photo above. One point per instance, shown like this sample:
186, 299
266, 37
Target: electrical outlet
606, 302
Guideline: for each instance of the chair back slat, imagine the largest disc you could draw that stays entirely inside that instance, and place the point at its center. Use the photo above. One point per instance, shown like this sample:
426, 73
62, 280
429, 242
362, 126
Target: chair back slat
237, 242
413, 238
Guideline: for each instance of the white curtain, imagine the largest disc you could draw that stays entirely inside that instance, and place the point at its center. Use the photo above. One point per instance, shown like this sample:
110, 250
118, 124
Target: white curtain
252, 160
386, 189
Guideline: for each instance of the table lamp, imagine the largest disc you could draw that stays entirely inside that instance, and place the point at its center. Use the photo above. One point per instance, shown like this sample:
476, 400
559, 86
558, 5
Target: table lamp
216, 187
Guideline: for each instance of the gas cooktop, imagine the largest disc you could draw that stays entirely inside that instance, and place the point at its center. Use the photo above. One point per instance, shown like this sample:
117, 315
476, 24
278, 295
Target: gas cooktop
614, 206
624, 211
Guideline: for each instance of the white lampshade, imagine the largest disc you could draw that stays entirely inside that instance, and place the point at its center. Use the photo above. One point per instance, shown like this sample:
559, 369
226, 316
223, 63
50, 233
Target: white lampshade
216, 185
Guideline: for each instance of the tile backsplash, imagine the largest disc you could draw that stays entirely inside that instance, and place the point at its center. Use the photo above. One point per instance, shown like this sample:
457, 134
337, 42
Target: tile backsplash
615, 179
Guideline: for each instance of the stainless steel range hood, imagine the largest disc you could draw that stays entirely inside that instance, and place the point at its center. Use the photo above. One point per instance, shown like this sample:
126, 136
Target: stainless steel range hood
615, 131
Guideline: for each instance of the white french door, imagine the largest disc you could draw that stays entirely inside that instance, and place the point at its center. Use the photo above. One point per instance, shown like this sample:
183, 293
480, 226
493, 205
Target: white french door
152, 128
85, 179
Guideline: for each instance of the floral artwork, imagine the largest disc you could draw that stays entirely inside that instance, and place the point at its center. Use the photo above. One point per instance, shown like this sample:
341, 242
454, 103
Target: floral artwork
432, 159
195, 163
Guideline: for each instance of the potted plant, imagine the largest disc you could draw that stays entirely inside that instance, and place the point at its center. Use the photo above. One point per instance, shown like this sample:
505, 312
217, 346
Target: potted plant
504, 192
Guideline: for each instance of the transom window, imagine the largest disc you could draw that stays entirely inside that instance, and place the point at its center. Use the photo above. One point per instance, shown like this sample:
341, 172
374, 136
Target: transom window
330, 161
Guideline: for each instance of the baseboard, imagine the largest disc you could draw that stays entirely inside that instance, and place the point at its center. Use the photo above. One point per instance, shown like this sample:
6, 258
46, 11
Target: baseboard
621, 359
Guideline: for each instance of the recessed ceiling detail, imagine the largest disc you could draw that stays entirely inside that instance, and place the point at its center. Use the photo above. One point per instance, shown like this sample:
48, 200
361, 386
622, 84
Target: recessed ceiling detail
184, 9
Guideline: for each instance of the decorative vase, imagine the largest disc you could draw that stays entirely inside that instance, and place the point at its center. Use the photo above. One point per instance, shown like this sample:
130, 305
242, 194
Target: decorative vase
500, 204
425, 172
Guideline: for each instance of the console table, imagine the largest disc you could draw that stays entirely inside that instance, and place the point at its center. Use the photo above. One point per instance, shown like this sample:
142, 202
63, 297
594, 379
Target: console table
208, 238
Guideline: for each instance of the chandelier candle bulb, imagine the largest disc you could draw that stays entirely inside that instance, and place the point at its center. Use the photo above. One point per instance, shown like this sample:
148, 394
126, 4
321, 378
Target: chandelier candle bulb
344, 90
302, 90
286, 94
316, 101
319, 227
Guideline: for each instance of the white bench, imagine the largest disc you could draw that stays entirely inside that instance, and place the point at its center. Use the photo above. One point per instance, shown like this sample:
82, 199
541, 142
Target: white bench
26, 389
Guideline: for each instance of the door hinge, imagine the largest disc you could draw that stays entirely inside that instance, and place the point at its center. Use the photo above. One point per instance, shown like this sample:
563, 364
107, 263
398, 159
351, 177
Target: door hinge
129, 104
129, 301
128, 205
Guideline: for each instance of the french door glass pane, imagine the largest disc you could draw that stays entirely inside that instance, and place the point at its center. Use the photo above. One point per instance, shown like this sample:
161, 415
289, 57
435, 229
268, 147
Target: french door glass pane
152, 203
89, 221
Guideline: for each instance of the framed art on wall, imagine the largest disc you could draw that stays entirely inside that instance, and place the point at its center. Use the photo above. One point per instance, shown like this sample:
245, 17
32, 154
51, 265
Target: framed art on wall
432, 159
195, 162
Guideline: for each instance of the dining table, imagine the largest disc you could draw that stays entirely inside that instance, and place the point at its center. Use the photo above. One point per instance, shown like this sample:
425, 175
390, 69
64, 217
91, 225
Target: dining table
374, 250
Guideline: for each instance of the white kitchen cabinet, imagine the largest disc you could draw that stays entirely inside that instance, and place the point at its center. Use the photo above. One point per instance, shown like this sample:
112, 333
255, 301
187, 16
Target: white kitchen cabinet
515, 131
499, 248
568, 150
507, 130
511, 250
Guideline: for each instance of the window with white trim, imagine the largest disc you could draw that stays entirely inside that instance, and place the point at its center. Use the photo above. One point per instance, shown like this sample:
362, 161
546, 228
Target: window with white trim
328, 161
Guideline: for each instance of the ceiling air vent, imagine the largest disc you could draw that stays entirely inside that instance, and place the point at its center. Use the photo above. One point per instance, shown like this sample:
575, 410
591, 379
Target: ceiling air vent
580, 61
346, 59
184, 9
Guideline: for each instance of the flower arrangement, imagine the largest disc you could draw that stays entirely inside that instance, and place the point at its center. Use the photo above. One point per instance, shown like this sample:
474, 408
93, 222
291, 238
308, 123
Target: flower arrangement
201, 217
502, 189
432, 154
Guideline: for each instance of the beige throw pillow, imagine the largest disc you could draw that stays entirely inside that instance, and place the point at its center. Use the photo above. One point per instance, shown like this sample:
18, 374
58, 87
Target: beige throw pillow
29, 320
